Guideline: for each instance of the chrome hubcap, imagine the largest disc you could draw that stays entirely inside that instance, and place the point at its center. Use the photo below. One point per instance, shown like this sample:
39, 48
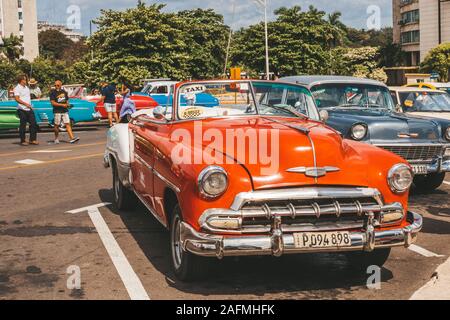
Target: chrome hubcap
177, 249
116, 186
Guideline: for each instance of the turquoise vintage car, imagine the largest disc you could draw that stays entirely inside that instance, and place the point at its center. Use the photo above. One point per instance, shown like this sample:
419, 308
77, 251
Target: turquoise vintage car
82, 111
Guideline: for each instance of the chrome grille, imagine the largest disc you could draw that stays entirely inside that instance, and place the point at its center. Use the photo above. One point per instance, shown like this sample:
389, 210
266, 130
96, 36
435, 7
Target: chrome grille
416, 153
309, 215
299, 210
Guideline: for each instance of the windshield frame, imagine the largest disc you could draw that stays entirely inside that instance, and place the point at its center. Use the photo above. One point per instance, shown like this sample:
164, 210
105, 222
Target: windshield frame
250, 82
365, 86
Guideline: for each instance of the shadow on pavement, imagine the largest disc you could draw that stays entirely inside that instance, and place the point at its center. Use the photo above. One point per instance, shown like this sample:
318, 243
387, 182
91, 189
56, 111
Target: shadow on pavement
257, 276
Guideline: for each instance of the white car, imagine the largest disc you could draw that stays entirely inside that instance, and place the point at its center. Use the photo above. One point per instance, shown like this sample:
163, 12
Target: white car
422, 102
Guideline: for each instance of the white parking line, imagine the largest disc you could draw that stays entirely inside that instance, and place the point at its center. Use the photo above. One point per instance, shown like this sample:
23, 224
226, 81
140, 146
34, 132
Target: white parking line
438, 288
28, 162
129, 278
424, 252
447, 183
50, 151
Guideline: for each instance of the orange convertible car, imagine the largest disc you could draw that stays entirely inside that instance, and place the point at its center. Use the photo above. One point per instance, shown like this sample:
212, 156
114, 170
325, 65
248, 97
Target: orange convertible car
259, 174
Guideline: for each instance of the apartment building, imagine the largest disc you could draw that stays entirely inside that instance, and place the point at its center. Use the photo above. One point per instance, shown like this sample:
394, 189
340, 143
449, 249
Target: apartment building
19, 17
69, 33
420, 25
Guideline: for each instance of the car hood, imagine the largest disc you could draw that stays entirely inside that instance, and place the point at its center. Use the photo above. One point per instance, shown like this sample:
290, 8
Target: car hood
287, 149
391, 126
430, 114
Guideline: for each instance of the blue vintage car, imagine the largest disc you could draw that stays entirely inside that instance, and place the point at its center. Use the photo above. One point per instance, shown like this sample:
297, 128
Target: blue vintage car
81, 111
363, 110
162, 93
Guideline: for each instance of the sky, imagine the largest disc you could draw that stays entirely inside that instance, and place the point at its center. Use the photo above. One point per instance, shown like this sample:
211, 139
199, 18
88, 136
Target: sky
354, 12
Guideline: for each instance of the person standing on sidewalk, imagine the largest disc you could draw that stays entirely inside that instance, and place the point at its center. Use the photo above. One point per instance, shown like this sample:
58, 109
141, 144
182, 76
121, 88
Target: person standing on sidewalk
109, 100
59, 99
25, 112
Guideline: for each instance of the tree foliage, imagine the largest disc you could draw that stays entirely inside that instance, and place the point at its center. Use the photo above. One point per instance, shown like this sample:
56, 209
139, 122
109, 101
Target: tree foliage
359, 62
11, 48
299, 41
144, 42
53, 44
438, 60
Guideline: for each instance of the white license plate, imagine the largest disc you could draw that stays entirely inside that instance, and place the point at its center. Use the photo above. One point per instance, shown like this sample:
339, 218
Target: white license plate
418, 169
322, 240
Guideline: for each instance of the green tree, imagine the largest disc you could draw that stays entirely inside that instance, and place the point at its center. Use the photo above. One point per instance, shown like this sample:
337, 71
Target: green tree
12, 48
299, 41
207, 38
361, 62
141, 38
438, 60
46, 71
53, 44
8, 74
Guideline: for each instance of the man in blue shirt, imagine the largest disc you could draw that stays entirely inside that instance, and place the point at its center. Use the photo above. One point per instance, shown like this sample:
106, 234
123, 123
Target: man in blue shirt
108, 92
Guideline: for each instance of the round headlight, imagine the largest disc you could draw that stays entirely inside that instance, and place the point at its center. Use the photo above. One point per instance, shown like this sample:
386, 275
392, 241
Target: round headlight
213, 182
447, 134
400, 178
359, 132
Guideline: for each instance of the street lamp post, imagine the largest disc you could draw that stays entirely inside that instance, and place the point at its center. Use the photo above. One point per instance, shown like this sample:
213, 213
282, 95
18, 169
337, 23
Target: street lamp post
267, 41
263, 3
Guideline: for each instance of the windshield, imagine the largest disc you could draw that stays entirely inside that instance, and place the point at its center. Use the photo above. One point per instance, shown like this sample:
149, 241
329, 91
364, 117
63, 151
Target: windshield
330, 96
425, 101
285, 100
215, 99
240, 98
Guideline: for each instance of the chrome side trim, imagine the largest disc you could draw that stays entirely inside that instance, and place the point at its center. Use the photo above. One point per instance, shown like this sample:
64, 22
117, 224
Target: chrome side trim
301, 194
159, 175
151, 210
168, 182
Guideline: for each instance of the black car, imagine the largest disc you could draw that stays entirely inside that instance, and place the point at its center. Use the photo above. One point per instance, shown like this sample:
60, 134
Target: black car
363, 110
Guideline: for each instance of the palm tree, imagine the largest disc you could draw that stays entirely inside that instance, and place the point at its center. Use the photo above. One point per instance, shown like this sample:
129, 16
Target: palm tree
340, 29
11, 48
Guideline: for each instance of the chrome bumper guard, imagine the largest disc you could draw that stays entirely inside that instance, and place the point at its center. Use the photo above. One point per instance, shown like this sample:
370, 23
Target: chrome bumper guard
436, 167
278, 244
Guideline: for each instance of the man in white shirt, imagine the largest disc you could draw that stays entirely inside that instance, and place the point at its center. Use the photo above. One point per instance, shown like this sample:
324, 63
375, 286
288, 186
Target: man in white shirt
25, 111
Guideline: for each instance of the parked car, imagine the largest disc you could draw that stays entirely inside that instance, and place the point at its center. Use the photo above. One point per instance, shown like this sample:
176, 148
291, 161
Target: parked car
8, 118
162, 93
81, 111
363, 110
442, 86
142, 102
317, 192
422, 102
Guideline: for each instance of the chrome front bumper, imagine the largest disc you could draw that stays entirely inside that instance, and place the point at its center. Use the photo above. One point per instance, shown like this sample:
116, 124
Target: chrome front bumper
277, 244
436, 167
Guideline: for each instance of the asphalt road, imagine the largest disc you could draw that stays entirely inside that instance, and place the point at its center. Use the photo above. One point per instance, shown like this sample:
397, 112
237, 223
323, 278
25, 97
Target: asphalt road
123, 255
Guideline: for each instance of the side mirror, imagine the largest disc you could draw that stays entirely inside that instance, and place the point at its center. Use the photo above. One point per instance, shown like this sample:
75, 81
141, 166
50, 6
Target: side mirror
324, 115
159, 113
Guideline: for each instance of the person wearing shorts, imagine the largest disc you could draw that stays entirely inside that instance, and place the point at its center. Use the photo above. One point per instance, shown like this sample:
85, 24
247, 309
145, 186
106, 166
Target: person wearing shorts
60, 102
109, 100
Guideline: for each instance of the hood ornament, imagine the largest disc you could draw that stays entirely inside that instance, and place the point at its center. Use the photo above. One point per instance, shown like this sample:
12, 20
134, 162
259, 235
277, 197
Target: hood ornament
408, 135
314, 172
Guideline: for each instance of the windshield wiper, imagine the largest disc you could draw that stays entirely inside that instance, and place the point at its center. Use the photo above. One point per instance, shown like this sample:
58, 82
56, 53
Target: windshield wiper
288, 108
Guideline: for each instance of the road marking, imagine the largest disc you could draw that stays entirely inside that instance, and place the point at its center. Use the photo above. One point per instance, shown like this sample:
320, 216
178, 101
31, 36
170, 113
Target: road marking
447, 183
424, 252
50, 151
28, 162
438, 288
129, 278
72, 147
54, 161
